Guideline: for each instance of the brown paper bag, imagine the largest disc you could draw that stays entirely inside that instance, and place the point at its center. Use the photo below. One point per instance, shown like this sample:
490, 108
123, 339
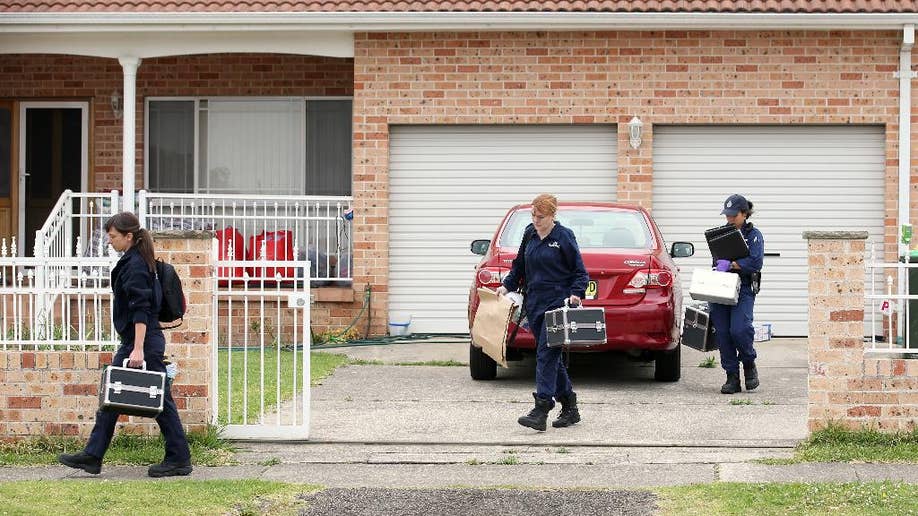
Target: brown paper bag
489, 330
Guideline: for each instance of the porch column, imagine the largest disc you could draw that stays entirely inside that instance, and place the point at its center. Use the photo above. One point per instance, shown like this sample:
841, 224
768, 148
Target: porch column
129, 66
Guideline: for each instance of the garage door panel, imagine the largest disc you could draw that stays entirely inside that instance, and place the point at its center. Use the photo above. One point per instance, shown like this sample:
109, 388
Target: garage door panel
450, 185
800, 178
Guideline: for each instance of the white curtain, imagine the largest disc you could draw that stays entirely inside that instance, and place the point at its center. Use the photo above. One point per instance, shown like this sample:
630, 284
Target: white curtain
254, 146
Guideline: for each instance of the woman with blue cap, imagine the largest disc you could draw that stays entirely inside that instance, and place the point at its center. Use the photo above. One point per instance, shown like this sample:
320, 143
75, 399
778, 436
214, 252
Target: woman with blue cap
733, 328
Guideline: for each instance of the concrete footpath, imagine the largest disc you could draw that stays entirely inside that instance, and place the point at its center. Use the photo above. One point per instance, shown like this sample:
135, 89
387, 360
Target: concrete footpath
424, 426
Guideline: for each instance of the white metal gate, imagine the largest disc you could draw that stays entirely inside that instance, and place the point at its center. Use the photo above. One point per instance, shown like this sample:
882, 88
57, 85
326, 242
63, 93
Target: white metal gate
261, 358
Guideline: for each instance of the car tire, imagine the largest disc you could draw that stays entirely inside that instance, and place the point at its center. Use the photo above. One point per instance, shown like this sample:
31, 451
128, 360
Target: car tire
481, 366
668, 365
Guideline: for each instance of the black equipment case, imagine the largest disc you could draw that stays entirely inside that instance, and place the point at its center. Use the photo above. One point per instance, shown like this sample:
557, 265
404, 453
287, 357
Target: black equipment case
136, 392
575, 327
697, 330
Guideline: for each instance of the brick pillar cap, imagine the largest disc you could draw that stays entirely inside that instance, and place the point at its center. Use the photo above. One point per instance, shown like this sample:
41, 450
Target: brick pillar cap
835, 235
172, 234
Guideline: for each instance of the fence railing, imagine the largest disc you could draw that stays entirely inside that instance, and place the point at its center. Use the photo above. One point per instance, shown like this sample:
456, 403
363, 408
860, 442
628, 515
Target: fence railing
888, 309
254, 227
73, 315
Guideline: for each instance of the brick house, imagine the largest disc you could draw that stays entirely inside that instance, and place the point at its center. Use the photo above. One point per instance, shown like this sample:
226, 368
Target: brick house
442, 114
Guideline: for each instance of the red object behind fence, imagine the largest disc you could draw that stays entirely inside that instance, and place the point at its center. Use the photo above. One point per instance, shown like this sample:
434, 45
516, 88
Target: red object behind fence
230, 239
278, 245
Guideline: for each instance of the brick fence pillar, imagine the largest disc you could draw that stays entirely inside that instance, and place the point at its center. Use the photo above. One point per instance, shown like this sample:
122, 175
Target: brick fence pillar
846, 385
190, 253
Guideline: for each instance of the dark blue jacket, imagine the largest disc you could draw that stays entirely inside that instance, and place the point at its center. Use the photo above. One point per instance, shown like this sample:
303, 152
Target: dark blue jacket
137, 296
552, 263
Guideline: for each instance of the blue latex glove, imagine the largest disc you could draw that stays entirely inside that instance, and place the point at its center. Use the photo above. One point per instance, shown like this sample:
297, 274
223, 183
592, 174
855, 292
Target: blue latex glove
722, 265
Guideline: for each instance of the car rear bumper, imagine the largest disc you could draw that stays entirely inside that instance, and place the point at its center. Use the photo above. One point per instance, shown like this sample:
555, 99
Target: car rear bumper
645, 326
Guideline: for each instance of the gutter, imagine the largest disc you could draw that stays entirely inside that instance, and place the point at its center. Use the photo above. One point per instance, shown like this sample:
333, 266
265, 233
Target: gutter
442, 21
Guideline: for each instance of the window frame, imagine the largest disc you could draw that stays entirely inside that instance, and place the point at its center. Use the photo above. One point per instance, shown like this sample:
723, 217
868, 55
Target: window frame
197, 113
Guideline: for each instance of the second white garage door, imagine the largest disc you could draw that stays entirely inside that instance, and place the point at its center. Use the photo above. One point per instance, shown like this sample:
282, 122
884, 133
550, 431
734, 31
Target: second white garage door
450, 185
798, 178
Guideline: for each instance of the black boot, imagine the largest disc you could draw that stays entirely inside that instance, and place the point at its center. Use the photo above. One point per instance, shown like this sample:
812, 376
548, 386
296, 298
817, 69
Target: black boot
537, 417
169, 469
569, 413
752, 376
81, 460
732, 386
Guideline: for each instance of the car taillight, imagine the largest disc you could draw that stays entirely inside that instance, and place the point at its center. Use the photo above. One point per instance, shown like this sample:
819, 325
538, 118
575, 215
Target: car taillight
489, 276
653, 278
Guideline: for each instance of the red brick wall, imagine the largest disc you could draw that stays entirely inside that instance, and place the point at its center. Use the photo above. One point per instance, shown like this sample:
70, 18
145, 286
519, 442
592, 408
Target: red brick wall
667, 77
43, 77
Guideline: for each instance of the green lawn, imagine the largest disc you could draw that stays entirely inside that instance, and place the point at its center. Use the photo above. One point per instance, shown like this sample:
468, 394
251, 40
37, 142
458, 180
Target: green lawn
191, 497
206, 450
253, 372
874, 498
838, 444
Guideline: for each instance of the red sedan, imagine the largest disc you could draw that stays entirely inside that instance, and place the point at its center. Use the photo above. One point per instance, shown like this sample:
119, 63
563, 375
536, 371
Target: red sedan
632, 277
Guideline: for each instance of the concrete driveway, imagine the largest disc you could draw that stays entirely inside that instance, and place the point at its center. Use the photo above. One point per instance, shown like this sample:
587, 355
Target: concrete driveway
621, 404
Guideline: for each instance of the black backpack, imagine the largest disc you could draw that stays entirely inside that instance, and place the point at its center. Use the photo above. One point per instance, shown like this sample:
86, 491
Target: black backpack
173, 303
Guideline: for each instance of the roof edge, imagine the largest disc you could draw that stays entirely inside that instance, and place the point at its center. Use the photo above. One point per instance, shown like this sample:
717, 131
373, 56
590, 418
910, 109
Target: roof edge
445, 21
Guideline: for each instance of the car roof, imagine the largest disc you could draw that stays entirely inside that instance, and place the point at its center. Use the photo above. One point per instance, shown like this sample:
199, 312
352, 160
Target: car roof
588, 204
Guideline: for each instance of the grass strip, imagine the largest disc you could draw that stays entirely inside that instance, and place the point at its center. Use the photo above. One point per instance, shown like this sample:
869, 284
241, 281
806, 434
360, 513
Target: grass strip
836, 443
187, 497
207, 449
817, 499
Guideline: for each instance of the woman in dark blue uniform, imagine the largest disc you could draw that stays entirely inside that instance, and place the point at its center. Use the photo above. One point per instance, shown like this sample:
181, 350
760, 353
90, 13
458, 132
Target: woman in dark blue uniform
137, 297
733, 324
554, 272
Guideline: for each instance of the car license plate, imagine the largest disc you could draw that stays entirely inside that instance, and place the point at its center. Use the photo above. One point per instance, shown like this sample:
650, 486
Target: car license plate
592, 289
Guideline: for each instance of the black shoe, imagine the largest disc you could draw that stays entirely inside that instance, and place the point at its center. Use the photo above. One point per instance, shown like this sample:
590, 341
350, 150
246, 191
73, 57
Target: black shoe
538, 416
752, 376
81, 460
732, 386
169, 469
569, 413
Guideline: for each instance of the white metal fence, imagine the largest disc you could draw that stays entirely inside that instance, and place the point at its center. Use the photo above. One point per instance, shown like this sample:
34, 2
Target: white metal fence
261, 357
74, 314
295, 228
888, 309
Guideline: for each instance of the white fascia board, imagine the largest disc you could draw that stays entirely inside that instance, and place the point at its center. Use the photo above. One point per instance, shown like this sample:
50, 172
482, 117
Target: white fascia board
176, 43
441, 21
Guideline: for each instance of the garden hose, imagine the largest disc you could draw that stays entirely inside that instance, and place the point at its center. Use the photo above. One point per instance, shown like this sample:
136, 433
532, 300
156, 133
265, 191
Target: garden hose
415, 338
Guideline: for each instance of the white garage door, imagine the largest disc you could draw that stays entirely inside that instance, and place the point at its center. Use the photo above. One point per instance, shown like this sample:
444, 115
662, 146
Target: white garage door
450, 185
798, 178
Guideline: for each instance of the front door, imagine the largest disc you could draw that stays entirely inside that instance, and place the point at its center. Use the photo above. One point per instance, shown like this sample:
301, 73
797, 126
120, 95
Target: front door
7, 170
53, 158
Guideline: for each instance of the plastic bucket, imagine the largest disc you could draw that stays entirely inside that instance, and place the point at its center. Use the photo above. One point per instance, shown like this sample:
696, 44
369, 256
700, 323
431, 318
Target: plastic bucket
399, 324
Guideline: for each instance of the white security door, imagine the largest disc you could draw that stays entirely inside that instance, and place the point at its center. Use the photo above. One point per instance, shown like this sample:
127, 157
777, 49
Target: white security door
799, 178
450, 185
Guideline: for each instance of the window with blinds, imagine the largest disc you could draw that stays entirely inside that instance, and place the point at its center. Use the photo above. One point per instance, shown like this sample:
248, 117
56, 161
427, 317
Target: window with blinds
288, 146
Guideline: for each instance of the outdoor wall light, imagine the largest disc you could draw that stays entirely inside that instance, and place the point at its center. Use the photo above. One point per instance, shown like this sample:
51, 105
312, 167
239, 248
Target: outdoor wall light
634, 131
117, 102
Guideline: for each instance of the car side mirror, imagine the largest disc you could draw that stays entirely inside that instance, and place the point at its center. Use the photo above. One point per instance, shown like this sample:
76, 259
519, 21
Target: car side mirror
682, 249
480, 247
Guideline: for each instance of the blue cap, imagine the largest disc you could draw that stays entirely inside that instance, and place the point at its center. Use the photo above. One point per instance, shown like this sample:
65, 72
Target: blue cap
735, 204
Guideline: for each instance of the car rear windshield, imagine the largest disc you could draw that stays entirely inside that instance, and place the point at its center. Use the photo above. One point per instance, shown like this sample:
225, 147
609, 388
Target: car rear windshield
595, 229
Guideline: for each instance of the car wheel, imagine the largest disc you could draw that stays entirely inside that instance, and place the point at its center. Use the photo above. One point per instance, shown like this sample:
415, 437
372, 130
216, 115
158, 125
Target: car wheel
481, 366
668, 365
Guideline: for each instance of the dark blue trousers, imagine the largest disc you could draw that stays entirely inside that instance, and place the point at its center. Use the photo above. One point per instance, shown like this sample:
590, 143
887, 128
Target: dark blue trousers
734, 332
552, 380
170, 425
